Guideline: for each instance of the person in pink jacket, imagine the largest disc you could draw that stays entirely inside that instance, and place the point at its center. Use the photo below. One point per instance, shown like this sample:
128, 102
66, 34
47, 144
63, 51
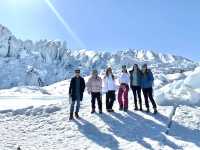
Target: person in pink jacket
94, 87
123, 90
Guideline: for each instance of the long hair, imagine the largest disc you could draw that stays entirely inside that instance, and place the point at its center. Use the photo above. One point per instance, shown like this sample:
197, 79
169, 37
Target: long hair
138, 69
107, 74
145, 72
125, 71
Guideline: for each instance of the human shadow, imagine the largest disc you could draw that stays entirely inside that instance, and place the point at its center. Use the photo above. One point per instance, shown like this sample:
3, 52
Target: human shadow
141, 128
93, 133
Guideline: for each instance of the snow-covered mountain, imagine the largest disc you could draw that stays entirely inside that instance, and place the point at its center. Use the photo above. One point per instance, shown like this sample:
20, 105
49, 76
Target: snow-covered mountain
46, 62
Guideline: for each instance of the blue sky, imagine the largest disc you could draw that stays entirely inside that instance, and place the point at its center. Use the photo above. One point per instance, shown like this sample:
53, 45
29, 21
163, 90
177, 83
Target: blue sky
161, 25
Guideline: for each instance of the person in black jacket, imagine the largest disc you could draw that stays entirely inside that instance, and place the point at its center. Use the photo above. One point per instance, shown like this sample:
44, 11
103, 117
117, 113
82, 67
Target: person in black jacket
76, 90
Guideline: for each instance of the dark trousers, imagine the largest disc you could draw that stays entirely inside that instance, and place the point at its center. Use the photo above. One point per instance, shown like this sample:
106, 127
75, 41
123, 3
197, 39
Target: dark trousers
110, 98
137, 94
148, 95
99, 100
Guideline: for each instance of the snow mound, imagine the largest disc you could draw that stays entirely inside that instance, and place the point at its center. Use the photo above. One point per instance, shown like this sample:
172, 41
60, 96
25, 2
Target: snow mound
185, 91
32, 111
193, 80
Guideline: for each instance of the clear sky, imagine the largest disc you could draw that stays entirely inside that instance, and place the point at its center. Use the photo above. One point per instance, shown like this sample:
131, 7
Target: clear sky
169, 26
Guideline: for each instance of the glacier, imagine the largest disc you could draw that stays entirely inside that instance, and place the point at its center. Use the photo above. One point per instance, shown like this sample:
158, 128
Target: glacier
45, 62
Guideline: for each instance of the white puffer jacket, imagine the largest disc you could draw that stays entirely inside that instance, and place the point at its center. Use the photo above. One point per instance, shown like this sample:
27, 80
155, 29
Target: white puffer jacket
124, 78
109, 84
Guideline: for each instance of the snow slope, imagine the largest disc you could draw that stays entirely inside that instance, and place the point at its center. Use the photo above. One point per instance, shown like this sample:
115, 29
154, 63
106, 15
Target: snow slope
46, 62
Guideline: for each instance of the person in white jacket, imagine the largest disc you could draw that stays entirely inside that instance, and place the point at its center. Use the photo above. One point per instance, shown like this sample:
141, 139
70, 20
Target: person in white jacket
109, 87
123, 89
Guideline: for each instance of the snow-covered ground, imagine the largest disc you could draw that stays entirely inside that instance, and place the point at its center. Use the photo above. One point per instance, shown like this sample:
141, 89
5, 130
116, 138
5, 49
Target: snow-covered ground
45, 125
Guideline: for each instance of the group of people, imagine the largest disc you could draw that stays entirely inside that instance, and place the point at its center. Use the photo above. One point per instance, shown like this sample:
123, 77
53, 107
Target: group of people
137, 80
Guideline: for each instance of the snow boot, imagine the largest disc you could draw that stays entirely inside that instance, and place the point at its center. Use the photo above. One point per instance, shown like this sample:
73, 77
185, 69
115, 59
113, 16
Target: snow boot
141, 109
93, 111
110, 110
71, 116
120, 108
125, 109
76, 115
155, 111
147, 111
136, 109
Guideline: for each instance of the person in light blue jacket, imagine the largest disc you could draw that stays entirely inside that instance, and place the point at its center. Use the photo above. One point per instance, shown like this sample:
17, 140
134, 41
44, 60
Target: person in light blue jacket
135, 84
147, 87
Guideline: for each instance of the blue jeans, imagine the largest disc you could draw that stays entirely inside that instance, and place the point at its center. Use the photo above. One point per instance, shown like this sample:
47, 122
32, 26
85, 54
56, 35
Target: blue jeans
77, 106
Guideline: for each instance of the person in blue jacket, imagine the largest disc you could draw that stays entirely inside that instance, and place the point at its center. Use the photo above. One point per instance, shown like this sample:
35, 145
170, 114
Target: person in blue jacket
147, 87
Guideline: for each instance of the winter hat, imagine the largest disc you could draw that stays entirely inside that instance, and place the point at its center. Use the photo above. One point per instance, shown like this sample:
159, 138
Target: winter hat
77, 70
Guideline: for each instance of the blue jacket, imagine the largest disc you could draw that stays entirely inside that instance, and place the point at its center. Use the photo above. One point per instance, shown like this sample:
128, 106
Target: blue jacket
135, 78
147, 80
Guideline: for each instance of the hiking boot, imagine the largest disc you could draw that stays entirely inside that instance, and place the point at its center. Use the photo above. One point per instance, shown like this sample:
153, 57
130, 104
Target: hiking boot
76, 115
71, 116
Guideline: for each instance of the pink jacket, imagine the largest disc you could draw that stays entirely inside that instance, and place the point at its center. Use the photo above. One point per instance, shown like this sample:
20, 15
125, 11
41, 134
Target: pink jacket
94, 84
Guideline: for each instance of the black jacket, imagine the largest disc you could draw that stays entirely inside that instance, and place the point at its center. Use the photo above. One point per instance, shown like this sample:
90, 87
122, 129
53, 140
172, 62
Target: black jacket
72, 88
